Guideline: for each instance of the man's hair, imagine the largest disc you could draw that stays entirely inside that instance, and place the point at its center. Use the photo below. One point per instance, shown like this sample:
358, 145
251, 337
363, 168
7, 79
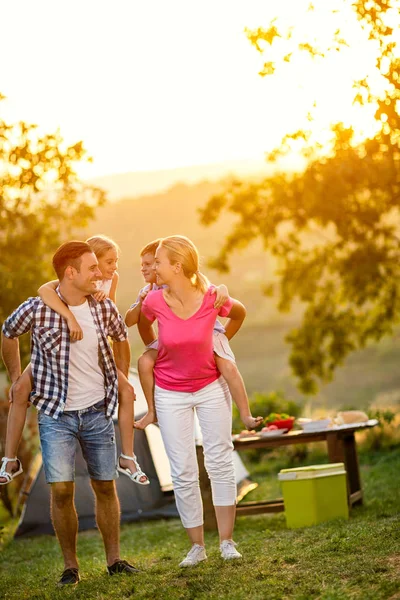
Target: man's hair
151, 248
69, 255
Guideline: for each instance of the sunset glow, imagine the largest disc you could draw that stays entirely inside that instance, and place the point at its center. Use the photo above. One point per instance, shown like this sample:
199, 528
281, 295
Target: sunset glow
162, 85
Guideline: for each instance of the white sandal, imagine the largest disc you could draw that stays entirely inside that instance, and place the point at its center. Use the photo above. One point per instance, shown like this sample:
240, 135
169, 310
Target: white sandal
9, 476
137, 474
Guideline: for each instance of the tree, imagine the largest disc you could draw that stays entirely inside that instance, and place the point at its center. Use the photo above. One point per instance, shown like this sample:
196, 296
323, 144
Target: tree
333, 226
42, 203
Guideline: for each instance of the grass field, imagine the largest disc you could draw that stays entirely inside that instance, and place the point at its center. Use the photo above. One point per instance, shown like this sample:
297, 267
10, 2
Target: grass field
357, 559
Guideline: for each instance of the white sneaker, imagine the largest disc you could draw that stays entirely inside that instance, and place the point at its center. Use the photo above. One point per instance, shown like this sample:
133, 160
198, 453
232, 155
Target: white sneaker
228, 550
195, 555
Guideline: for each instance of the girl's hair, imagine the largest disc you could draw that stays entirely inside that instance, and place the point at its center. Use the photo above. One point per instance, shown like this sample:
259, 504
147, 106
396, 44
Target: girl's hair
100, 244
180, 249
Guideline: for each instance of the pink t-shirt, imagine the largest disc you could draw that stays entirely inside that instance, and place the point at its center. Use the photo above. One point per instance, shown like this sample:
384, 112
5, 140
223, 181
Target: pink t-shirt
185, 361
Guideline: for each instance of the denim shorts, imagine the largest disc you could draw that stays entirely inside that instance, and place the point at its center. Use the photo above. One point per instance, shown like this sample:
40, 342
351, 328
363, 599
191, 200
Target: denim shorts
96, 435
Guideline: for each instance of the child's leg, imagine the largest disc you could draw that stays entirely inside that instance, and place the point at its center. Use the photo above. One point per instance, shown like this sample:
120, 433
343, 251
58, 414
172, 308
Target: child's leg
233, 378
16, 418
146, 364
126, 397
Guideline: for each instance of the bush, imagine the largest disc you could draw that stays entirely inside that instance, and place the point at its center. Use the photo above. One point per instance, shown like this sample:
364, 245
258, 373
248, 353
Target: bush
386, 435
263, 404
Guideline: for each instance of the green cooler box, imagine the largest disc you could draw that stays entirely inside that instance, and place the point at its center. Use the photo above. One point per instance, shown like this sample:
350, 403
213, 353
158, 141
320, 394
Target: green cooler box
315, 494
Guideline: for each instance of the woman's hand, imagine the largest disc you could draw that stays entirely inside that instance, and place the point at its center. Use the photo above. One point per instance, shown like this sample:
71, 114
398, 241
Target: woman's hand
149, 417
99, 296
251, 422
222, 295
75, 331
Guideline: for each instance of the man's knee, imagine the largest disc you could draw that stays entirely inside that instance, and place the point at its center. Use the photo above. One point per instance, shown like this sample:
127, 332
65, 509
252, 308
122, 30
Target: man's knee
103, 489
62, 493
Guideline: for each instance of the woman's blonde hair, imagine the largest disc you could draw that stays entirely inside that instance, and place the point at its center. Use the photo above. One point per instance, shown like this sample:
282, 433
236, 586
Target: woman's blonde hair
100, 244
180, 249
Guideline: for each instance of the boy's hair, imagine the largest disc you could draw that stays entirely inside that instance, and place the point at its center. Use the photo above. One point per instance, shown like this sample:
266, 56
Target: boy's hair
69, 255
100, 244
150, 248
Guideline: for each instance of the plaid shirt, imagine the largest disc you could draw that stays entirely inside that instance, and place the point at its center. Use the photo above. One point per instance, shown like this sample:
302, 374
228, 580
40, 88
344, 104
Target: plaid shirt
50, 343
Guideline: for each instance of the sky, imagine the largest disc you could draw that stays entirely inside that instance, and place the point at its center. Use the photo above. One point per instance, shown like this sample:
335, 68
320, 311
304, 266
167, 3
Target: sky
162, 84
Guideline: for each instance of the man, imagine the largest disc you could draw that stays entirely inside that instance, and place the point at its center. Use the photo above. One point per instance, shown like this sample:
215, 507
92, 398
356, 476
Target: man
75, 392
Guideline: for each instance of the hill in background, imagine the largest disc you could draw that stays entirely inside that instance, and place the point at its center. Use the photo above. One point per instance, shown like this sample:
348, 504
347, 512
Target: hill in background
368, 376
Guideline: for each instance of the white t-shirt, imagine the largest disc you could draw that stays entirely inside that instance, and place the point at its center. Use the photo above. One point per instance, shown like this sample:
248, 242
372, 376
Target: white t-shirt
85, 377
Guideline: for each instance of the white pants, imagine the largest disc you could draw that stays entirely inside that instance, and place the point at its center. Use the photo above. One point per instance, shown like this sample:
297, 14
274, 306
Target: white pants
175, 416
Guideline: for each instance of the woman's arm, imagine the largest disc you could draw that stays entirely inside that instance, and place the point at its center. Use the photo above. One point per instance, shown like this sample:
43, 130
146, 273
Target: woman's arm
236, 317
48, 294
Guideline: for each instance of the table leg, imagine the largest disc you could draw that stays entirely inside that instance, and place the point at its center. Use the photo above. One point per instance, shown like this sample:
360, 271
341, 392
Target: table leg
210, 521
342, 448
336, 455
352, 468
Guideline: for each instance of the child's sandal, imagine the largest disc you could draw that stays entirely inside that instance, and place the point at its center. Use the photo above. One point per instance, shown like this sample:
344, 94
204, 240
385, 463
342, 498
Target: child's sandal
137, 475
9, 476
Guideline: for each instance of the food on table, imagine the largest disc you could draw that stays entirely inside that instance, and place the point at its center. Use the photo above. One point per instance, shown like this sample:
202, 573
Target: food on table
276, 417
280, 420
270, 428
351, 416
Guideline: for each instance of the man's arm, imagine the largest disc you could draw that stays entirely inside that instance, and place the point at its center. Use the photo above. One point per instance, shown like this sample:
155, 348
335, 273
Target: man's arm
11, 357
122, 355
18, 323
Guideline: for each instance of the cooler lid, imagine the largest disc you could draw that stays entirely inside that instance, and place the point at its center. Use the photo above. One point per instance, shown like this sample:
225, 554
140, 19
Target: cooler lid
311, 472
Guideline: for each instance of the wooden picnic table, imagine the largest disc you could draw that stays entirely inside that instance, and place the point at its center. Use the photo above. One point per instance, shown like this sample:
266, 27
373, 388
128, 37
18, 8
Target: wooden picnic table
341, 447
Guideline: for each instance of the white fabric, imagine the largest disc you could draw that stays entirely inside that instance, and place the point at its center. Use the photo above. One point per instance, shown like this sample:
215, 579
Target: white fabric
175, 413
221, 346
156, 444
85, 377
104, 285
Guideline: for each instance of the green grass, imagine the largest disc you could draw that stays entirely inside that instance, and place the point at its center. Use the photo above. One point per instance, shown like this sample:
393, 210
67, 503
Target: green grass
358, 559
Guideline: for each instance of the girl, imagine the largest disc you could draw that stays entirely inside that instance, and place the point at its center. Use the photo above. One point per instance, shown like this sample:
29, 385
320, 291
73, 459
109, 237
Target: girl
106, 251
186, 377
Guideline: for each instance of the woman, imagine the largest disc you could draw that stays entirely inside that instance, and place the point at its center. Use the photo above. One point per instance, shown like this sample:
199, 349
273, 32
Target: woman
186, 377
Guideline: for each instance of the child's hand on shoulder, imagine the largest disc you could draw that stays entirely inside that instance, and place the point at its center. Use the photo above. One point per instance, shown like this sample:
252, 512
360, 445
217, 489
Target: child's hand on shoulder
75, 331
221, 295
144, 293
99, 296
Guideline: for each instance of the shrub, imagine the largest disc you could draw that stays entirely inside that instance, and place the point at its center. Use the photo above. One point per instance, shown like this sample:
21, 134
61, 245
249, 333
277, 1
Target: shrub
386, 435
263, 404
